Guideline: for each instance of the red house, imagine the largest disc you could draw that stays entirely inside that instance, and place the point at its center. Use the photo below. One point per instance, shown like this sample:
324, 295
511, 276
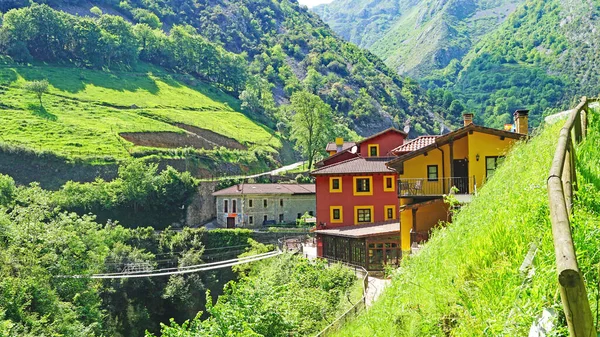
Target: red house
357, 203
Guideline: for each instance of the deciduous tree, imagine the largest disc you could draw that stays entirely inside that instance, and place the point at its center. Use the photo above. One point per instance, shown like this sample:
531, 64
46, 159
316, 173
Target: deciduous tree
311, 124
39, 88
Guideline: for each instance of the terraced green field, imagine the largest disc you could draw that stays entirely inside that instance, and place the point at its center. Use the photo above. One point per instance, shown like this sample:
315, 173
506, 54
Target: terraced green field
85, 111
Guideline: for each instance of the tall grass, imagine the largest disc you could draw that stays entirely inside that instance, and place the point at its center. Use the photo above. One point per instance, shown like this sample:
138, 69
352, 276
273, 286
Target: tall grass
466, 281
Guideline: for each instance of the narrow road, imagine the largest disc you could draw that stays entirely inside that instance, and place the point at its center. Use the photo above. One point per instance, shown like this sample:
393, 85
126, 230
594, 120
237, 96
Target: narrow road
375, 289
279, 170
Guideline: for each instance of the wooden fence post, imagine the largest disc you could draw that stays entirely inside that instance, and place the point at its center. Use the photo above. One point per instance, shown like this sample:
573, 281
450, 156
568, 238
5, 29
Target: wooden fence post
572, 289
584, 119
573, 158
560, 194
566, 181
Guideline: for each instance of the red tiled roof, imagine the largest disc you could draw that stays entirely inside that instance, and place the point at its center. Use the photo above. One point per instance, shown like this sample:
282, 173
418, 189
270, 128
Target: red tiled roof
382, 133
454, 135
361, 231
267, 189
357, 165
332, 147
415, 144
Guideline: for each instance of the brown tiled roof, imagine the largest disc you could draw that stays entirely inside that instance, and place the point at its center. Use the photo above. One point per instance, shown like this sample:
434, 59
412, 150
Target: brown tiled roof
267, 189
357, 165
454, 135
415, 144
333, 147
361, 231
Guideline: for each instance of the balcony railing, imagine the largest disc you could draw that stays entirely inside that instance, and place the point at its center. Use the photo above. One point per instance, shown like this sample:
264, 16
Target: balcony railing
410, 187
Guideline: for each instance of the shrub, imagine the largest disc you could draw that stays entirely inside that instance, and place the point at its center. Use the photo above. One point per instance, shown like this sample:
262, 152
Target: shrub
7, 189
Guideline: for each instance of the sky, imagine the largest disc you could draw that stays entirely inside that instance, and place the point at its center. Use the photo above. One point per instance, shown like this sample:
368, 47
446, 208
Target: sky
312, 3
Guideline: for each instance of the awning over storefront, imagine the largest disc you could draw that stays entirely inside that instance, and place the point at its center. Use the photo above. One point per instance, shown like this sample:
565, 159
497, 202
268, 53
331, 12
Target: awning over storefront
363, 231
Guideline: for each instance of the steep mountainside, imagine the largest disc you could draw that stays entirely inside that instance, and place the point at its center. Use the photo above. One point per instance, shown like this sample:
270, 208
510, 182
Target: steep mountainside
416, 37
287, 49
493, 56
363, 22
543, 56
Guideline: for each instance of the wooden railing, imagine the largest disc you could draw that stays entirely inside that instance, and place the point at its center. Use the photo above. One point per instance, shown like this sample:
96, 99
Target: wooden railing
409, 187
561, 183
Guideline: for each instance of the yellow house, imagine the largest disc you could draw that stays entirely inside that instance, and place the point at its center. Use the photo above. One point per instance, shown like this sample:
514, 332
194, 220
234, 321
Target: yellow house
463, 159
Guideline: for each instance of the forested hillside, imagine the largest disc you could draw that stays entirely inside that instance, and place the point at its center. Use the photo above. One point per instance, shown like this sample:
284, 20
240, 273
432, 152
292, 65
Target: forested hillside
543, 56
259, 51
42, 247
487, 57
416, 37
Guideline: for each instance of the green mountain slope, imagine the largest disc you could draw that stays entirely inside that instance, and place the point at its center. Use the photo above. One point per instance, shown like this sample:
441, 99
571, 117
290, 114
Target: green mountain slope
98, 117
416, 37
494, 56
363, 22
466, 280
542, 56
286, 48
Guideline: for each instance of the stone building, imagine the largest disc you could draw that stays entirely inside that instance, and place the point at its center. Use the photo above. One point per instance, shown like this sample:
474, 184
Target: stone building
256, 205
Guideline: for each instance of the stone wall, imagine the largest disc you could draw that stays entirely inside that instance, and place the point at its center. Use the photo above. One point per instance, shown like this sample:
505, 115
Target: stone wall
202, 209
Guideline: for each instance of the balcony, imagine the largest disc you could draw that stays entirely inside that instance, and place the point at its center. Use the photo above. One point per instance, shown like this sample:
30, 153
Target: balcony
423, 187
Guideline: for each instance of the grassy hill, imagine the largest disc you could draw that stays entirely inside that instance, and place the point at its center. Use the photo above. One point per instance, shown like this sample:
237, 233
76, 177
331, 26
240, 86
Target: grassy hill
86, 111
466, 280
92, 119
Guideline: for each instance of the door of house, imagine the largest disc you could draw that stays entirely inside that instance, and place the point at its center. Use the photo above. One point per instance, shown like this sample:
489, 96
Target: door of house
230, 222
461, 176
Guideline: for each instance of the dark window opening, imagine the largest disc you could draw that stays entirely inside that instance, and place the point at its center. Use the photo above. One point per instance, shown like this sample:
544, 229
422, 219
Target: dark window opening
299, 216
250, 203
265, 203
335, 184
373, 151
390, 213
336, 214
281, 202
363, 185
251, 219
226, 206
265, 218
389, 182
280, 218
234, 206
364, 215
432, 173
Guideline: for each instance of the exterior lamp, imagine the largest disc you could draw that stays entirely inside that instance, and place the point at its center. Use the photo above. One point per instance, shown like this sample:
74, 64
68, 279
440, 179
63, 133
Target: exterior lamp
477, 157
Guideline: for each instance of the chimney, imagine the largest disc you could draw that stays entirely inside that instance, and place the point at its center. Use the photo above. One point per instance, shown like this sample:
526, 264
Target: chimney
521, 123
468, 118
407, 126
339, 143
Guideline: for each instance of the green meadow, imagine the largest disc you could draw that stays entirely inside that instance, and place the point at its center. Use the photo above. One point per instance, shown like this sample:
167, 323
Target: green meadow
85, 110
